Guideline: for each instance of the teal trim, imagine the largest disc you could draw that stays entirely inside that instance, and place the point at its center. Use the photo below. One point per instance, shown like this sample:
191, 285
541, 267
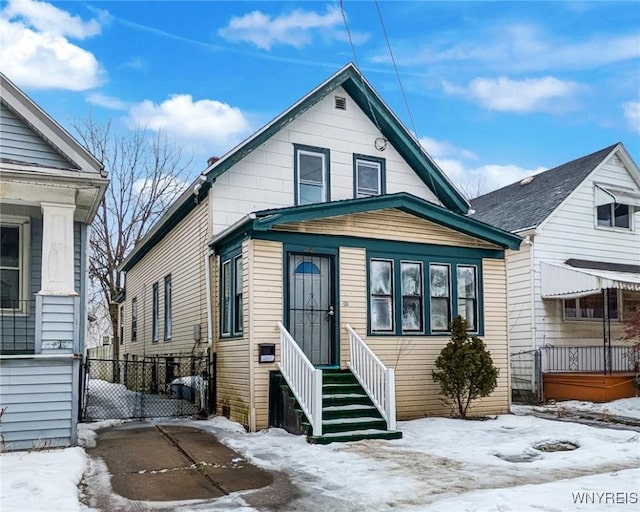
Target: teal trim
402, 201
373, 107
383, 172
326, 171
230, 256
426, 259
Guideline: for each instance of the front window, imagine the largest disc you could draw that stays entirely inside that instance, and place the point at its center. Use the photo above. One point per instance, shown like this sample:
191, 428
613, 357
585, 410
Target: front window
167, 308
231, 300
13, 273
411, 274
591, 307
467, 298
311, 175
440, 285
614, 215
381, 295
155, 317
368, 176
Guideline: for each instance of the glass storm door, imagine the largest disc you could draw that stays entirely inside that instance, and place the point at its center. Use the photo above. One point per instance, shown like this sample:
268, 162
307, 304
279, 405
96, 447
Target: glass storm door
311, 306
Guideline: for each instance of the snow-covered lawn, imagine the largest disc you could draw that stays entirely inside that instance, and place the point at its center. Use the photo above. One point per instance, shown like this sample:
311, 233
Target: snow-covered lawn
439, 465
623, 408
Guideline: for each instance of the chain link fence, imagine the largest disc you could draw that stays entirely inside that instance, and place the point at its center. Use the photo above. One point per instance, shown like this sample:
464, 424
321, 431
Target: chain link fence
152, 387
526, 377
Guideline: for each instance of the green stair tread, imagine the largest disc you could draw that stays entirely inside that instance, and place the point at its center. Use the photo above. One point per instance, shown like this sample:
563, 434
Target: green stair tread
355, 435
349, 407
356, 419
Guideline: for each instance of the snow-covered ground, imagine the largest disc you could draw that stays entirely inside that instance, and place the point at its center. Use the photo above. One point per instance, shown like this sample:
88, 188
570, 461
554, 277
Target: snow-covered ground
439, 465
623, 408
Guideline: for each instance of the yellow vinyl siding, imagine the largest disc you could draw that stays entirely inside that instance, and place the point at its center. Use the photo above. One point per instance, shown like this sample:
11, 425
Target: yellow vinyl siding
387, 224
232, 365
180, 253
265, 311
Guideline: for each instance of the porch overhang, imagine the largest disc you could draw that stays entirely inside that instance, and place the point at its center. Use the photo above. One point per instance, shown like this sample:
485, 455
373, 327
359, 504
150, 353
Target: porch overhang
562, 281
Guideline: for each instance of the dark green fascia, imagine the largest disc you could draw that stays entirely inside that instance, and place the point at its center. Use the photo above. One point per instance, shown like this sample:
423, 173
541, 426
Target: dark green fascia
166, 226
403, 201
405, 144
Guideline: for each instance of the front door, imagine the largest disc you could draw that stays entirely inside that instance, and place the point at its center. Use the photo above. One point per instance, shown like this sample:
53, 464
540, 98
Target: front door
312, 306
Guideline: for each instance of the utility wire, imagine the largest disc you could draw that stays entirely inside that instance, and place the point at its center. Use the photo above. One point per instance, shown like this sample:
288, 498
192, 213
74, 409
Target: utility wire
355, 60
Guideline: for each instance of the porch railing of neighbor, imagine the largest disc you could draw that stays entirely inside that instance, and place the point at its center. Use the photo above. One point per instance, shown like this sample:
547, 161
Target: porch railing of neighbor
594, 358
302, 377
374, 377
17, 326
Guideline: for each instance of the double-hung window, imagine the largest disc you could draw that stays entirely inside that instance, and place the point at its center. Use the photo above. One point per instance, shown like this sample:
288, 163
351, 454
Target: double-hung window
134, 319
467, 295
13, 263
614, 215
167, 308
412, 307
368, 176
231, 303
381, 295
440, 286
155, 313
311, 174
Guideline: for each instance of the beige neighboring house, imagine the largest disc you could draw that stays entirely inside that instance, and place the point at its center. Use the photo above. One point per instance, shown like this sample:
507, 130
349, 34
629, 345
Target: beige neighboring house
321, 261
575, 278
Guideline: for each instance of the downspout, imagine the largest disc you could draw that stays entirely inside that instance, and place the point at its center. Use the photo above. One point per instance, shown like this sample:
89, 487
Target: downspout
537, 386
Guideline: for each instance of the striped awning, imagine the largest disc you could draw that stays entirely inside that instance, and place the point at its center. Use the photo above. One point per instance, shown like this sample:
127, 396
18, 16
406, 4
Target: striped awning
560, 281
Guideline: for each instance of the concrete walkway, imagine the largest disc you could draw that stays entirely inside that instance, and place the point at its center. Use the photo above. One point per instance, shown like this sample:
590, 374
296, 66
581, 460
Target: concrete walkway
169, 463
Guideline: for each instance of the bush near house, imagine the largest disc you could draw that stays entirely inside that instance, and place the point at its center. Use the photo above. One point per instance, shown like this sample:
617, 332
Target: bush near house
465, 369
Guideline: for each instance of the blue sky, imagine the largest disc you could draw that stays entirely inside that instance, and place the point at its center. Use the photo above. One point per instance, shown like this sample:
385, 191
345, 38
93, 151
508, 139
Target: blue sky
496, 90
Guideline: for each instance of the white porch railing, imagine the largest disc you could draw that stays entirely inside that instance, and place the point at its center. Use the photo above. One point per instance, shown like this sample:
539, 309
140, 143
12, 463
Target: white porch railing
303, 378
374, 377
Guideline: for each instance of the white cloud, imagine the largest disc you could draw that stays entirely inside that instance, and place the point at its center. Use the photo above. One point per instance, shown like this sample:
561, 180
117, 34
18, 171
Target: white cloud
35, 52
211, 125
471, 179
520, 47
545, 94
296, 28
45, 17
632, 115
109, 102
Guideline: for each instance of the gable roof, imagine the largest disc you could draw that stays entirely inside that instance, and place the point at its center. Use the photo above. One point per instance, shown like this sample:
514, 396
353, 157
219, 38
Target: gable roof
266, 219
352, 81
54, 135
521, 206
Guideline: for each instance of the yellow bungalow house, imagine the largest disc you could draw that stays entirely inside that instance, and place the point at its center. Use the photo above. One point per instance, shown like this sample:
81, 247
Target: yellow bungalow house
321, 261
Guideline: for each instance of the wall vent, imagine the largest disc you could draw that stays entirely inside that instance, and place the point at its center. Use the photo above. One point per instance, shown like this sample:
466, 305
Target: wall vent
341, 103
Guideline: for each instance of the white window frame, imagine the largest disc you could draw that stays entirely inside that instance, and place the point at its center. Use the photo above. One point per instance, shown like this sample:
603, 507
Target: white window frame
24, 242
612, 207
308, 151
370, 163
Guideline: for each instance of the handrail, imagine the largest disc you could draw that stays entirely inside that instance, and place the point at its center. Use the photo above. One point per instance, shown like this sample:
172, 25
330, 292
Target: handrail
302, 377
374, 377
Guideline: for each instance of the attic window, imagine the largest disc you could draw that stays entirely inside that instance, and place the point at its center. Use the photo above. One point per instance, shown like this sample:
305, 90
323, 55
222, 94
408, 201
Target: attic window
341, 103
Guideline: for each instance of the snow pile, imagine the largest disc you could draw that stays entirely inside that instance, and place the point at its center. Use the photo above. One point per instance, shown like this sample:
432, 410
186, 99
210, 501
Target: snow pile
44, 481
87, 432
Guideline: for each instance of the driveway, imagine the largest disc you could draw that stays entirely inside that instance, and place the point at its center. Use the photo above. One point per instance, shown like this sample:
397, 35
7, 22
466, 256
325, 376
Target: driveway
137, 465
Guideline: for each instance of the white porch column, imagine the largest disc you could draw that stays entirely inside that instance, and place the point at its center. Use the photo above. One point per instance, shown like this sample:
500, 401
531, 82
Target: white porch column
57, 249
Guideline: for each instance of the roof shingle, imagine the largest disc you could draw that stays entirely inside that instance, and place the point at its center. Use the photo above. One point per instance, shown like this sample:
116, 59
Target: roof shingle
518, 206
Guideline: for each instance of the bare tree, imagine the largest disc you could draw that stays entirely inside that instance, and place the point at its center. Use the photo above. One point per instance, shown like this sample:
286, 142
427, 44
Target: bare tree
476, 188
147, 171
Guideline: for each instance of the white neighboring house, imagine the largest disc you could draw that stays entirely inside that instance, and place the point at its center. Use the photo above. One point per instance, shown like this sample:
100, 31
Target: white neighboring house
50, 188
577, 273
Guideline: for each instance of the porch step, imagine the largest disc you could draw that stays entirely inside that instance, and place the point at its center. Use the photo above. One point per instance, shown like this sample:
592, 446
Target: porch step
347, 412
355, 435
